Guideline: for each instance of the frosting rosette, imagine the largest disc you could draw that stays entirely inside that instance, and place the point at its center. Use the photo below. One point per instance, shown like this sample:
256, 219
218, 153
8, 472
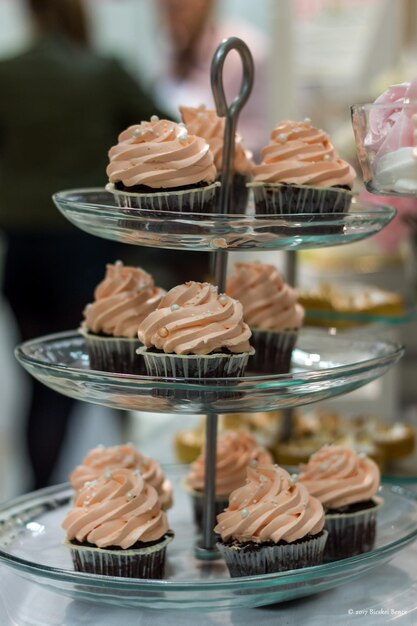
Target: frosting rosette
235, 451
107, 459
117, 509
300, 154
338, 477
270, 507
122, 300
269, 303
160, 154
205, 123
194, 318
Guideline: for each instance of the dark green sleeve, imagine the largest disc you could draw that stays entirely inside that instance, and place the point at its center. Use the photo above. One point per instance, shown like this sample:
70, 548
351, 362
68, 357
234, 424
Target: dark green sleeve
131, 101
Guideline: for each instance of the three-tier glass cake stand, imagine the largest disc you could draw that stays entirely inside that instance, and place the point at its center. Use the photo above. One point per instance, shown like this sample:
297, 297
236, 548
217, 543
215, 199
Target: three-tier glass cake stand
323, 365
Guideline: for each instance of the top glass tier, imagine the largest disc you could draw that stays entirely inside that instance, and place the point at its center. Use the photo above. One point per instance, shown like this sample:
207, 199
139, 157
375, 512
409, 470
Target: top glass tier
385, 135
96, 212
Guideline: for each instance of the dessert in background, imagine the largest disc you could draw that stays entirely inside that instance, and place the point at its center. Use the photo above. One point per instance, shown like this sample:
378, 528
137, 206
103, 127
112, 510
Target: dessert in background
301, 172
327, 304
188, 444
235, 451
122, 300
346, 484
271, 310
102, 460
205, 123
391, 139
272, 524
116, 527
195, 332
158, 165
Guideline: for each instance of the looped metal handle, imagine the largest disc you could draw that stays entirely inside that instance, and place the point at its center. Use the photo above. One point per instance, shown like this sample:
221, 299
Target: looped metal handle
231, 114
216, 75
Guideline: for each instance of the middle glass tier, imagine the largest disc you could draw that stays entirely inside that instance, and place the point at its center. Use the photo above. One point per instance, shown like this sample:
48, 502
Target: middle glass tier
96, 212
323, 365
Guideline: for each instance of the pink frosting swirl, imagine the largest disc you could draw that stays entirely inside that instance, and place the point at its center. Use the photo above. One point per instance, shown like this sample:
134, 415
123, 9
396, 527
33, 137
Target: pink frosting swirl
194, 319
338, 476
117, 509
268, 302
160, 154
205, 123
122, 300
235, 451
101, 459
299, 154
270, 507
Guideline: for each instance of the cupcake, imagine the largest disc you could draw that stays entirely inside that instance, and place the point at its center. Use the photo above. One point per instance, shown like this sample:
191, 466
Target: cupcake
205, 123
117, 528
121, 301
271, 310
301, 172
235, 451
100, 460
272, 524
346, 484
195, 333
157, 165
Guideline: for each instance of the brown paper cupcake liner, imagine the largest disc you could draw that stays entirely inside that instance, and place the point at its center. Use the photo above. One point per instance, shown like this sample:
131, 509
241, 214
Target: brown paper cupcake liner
198, 200
114, 354
146, 562
273, 351
351, 533
193, 368
252, 559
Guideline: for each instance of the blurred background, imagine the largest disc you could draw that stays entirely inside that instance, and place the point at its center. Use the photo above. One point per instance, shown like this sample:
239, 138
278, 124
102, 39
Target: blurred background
313, 58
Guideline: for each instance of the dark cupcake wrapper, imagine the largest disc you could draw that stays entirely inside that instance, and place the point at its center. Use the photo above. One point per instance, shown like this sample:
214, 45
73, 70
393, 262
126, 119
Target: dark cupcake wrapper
281, 199
192, 368
351, 533
198, 200
273, 351
114, 354
146, 562
268, 559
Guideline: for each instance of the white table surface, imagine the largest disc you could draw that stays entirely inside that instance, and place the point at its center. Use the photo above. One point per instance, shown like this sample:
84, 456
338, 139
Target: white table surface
386, 595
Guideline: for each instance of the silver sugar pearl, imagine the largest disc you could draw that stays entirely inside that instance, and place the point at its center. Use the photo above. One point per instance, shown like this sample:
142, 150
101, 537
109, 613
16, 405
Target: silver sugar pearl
163, 332
154, 118
244, 513
293, 479
223, 299
175, 307
137, 133
108, 475
327, 157
307, 120
129, 496
282, 138
253, 463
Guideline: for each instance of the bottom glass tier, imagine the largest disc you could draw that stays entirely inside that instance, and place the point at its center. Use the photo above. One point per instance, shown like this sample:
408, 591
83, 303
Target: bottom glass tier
31, 542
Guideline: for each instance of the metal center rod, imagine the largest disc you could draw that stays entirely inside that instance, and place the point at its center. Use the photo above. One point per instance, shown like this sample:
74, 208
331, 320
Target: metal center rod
231, 114
291, 267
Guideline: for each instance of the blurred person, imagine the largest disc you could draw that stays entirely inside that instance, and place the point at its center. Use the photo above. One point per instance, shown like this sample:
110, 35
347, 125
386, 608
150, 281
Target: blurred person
193, 32
61, 108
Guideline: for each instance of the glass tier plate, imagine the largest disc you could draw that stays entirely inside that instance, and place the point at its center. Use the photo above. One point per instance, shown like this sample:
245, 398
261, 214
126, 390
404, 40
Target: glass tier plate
324, 364
31, 542
96, 212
